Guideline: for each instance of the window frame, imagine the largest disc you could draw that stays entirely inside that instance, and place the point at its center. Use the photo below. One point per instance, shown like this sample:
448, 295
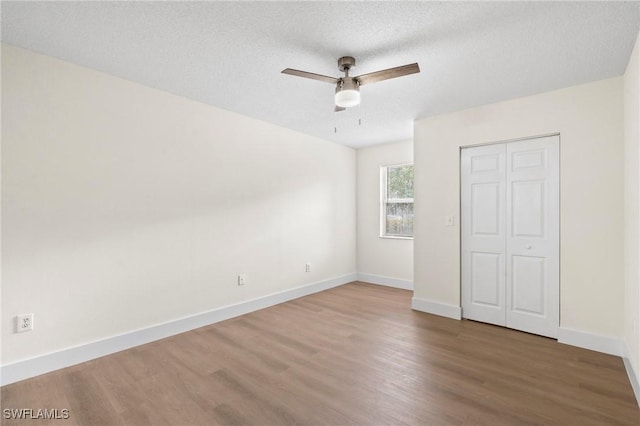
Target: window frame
384, 201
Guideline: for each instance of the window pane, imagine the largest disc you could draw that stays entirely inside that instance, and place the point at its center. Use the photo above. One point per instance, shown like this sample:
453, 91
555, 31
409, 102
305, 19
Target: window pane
399, 219
399, 182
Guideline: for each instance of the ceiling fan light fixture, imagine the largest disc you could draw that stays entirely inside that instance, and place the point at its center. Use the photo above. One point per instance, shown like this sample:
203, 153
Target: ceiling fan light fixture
347, 98
347, 94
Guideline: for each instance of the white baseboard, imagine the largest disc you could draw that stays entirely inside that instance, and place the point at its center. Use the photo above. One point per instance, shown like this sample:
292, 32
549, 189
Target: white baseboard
36, 366
633, 378
594, 342
436, 308
386, 281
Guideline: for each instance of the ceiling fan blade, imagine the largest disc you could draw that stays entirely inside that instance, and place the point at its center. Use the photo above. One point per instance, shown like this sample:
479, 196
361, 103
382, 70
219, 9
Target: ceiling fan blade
338, 109
376, 76
311, 75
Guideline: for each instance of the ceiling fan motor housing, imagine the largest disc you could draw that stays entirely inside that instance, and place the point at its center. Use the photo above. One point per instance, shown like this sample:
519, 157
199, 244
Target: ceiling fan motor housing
348, 83
348, 88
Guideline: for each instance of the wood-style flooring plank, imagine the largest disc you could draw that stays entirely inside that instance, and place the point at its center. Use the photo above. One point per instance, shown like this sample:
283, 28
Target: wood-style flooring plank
353, 355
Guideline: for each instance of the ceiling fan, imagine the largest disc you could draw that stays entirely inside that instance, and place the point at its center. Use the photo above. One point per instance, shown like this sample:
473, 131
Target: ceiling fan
347, 87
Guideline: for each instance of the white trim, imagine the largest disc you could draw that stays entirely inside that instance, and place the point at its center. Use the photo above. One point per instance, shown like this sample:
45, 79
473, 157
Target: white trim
594, 342
633, 378
31, 367
386, 281
436, 308
524, 138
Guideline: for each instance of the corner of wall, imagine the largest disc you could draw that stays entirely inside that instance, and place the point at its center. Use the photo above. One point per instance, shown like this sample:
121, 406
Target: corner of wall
632, 214
631, 373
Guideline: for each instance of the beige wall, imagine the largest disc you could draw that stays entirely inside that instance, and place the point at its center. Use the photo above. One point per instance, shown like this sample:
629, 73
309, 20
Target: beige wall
383, 257
125, 207
632, 211
589, 119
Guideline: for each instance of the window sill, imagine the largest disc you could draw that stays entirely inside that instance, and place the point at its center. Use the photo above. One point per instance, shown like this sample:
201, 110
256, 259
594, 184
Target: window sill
395, 237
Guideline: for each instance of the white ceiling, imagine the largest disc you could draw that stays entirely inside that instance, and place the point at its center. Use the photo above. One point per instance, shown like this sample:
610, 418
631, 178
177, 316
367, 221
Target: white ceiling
230, 54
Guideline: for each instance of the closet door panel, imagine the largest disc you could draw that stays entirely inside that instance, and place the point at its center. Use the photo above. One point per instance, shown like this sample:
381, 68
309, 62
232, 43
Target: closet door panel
483, 233
532, 245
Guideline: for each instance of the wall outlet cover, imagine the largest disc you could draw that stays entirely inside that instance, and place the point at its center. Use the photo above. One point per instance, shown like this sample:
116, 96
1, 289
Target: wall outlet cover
24, 322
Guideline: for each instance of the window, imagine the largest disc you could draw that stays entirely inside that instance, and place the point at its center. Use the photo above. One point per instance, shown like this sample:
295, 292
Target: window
397, 201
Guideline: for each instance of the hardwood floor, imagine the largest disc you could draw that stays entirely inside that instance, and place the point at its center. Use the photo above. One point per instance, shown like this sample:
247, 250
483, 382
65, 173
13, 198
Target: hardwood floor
356, 354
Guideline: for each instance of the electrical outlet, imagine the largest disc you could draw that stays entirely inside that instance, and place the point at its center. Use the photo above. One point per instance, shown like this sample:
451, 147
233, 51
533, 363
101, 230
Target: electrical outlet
307, 267
242, 278
24, 322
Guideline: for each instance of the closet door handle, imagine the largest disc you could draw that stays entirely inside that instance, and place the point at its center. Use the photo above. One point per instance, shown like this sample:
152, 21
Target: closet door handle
528, 247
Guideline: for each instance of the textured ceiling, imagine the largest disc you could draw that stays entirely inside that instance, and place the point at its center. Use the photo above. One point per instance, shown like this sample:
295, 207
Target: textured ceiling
230, 54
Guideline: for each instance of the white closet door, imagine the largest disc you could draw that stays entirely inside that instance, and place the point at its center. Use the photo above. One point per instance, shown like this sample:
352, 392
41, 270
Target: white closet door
510, 234
483, 233
533, 235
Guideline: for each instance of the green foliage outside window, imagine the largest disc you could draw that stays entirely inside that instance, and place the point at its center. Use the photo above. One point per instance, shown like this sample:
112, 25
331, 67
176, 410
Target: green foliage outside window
398, 205
399, 182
